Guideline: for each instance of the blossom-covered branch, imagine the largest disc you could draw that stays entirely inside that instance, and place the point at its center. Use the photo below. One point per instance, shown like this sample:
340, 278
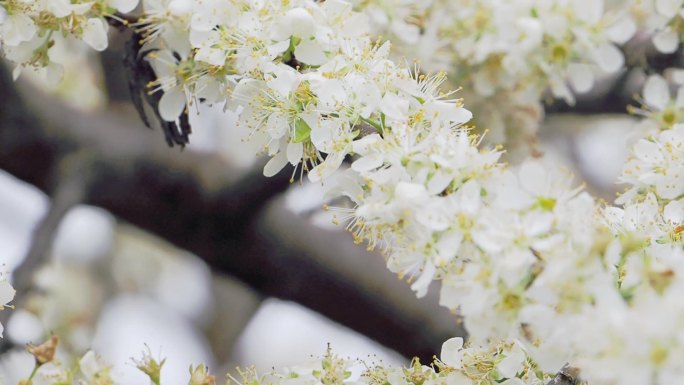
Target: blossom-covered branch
525, 256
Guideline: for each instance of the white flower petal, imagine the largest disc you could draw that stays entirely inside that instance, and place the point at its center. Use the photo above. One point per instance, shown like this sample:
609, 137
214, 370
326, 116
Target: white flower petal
412, 193
439, 181
448, 245
124, 6
327, 168
6, 293
310, 52
677, 76
95, 34
296, 22
285, 81
674, 213
622, 31
176, 7
589, 11
61, 8
656, 92
421, 285
448, 111
679, 100
668, 8
301, 22
581, 77
211, 55
171, 104
17, 29
666, 41
513, 363
394, 106
294, 153
533, 177
672, 185
276, 49
367, 163
609, 58
451, 352
275, 164
469, 197
91, 365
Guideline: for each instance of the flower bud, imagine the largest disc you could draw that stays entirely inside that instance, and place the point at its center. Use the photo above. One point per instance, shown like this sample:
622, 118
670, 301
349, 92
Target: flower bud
150, 366
44, 352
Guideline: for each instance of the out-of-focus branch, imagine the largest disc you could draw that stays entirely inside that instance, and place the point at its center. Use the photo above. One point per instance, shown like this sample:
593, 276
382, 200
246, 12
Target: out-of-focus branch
278, 236
68, 193
197, 203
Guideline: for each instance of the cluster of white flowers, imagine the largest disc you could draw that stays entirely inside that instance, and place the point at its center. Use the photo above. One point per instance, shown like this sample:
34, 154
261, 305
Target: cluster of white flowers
305, 75
529, 260
41, 34
636, 330
505, 54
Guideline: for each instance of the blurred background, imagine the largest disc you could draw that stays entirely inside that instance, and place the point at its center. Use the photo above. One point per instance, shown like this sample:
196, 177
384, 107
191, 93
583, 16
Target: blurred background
118, 243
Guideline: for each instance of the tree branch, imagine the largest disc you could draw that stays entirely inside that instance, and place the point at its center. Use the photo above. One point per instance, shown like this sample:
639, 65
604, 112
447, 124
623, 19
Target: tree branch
196, 203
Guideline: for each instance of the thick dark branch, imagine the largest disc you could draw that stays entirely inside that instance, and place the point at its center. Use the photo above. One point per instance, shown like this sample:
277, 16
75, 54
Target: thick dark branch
197, 203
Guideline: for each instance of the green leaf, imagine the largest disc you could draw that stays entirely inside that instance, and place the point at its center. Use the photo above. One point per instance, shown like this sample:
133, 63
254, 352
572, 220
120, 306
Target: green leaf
302, 131
287, 55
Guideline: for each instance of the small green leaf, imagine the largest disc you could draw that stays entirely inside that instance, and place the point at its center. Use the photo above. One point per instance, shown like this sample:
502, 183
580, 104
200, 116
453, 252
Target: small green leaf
289, 54
302, 131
